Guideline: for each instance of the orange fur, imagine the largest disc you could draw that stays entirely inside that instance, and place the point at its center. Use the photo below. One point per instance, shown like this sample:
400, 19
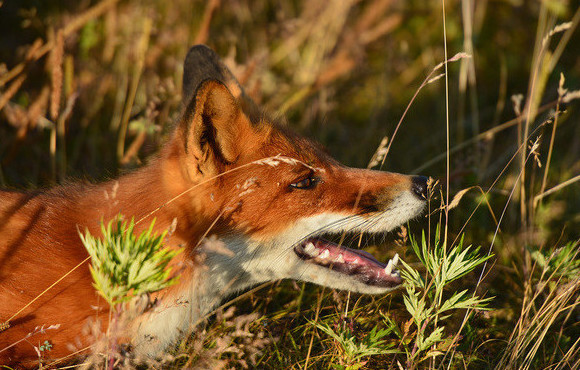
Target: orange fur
212, 168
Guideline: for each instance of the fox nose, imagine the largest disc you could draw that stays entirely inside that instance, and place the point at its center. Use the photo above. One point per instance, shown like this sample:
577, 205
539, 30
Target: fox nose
419, 186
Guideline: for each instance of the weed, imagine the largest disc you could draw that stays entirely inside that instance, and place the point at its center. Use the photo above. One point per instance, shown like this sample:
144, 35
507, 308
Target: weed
427, 299
125, 268
125, 265
353, 350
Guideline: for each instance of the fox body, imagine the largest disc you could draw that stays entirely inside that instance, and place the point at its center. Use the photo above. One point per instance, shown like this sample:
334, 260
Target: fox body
262, 194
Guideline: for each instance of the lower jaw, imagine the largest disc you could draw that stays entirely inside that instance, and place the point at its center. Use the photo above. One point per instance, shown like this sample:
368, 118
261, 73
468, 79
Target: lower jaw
353, 263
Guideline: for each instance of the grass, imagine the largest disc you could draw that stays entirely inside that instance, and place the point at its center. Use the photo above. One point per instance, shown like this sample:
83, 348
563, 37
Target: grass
91, 90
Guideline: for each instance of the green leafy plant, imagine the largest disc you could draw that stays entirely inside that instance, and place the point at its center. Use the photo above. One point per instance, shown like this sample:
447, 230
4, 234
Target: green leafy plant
426, 297
352, 349
125, 265
562, 261
46, 346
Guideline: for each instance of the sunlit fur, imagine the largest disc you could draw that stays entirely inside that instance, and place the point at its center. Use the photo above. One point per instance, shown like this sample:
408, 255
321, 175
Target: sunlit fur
225, 174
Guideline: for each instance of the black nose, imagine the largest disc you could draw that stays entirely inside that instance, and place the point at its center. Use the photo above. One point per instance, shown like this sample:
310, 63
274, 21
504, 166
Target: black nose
419, 186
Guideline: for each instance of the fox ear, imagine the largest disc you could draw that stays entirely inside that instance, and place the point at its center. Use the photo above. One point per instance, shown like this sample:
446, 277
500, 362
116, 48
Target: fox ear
202, 63
214, 125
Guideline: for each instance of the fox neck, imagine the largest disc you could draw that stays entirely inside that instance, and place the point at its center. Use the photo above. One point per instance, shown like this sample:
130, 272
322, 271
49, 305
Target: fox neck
160, 192
216, 270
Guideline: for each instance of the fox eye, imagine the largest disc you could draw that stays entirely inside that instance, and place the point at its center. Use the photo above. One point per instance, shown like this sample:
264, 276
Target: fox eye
306, 183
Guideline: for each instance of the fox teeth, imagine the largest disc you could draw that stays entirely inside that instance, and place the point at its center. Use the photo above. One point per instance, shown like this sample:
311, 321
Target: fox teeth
389, 267
309, 248
339, 259
324, 254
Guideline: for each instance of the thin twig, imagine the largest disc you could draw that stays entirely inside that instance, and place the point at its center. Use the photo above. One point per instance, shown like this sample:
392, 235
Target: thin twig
481, 275
137, 71
561, 93
425, 82
482, 136
446, 127
557, 187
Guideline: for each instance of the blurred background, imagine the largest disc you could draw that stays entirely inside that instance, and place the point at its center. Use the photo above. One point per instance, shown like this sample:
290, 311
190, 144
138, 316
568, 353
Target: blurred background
89, 89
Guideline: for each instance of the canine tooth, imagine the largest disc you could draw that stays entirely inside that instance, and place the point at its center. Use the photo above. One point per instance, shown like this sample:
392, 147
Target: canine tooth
309, 248
389, 267
395, 259
324, 254
339, 259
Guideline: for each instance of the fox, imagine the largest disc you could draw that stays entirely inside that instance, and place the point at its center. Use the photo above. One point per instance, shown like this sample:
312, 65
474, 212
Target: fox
248, 201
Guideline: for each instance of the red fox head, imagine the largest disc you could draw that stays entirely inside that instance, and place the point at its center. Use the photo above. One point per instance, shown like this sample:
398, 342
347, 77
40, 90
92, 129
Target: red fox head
270, 195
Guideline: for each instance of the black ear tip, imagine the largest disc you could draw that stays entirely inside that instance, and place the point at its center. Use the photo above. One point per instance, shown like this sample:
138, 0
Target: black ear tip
201, 63
200, 51
202, 58
200, 47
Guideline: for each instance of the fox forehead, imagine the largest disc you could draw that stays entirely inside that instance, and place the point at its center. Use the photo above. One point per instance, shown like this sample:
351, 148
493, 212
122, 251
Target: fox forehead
259, 200
274, 139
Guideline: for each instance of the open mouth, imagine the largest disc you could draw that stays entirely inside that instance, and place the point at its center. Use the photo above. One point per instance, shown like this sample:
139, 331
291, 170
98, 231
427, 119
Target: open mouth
353, 262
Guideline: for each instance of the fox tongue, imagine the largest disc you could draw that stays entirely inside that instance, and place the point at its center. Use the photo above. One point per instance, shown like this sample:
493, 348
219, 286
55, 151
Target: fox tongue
348, 255
350, 261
